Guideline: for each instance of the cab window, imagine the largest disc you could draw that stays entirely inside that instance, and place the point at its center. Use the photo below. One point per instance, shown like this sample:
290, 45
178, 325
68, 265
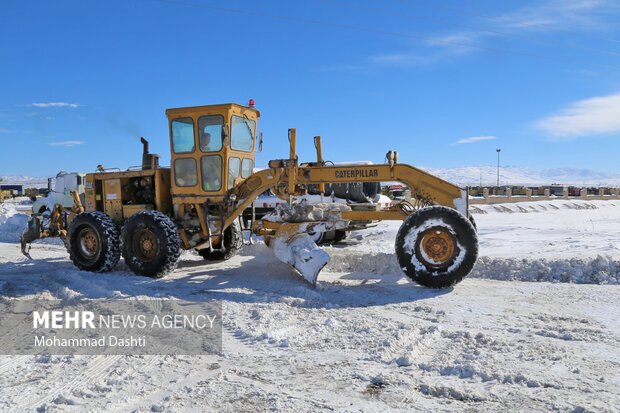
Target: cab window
234, 164
185, 173
211, 169
210, 133
242, 133
246, 168
183, 135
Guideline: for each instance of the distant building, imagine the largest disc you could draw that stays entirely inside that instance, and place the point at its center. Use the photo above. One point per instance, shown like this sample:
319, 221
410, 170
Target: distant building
8, 190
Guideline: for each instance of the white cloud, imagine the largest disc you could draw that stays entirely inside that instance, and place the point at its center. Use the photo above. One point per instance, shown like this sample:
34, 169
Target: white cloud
55, 105
66, 143
587, 117
521, 23
3, 130
564, 14
475, 139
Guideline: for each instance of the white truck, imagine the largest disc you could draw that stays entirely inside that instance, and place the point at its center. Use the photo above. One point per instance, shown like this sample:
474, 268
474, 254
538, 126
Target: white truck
65, 182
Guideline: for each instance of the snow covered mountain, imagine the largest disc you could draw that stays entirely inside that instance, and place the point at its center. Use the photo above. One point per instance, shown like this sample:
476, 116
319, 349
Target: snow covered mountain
517, 175
28, 181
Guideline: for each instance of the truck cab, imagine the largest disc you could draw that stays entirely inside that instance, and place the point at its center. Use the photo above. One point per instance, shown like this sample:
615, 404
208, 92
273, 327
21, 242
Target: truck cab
61, 193
212, 149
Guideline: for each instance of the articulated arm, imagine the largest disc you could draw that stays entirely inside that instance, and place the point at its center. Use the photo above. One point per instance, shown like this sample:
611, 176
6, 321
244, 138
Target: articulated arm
421, 183
251, 188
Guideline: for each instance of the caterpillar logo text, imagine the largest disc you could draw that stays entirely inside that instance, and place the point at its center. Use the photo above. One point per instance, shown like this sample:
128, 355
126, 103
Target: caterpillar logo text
356, 173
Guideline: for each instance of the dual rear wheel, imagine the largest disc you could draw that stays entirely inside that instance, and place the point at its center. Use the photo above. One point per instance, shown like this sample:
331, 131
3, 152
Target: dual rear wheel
149, 242
93, 242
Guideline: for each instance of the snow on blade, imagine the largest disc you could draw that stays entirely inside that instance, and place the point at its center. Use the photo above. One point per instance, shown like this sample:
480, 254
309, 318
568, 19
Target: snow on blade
304, 212
302, 254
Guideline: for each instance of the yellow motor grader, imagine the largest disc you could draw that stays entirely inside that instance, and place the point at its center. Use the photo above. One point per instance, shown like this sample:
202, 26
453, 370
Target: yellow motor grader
150, 214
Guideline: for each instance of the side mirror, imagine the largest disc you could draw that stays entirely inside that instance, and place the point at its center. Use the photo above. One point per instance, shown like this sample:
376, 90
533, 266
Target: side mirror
259, 135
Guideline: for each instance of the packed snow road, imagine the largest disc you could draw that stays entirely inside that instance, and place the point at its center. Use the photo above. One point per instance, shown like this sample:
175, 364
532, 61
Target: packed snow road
366, 339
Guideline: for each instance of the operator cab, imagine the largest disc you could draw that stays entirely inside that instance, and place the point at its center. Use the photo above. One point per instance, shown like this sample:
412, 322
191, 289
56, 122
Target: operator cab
212, 149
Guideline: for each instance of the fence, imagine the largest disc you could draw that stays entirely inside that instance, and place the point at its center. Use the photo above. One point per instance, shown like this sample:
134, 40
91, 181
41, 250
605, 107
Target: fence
507, 197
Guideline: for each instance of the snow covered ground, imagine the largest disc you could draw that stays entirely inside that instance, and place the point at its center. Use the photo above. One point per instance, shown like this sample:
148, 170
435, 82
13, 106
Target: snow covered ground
535, 327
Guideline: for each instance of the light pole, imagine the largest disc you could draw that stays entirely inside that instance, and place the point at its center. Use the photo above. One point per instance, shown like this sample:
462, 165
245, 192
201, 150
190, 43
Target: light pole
498, 151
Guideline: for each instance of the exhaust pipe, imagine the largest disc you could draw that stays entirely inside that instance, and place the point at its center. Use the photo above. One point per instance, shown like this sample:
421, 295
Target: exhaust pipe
149, 160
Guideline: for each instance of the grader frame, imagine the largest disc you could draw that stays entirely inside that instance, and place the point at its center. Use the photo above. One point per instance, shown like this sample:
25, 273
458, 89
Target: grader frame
210, 183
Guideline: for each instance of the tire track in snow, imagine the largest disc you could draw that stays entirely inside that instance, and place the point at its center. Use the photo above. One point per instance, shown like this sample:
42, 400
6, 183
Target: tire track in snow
10, 363
99, 367
148, 401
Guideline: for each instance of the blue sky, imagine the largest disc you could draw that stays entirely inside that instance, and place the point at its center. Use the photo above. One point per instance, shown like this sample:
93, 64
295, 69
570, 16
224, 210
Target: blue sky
443, 82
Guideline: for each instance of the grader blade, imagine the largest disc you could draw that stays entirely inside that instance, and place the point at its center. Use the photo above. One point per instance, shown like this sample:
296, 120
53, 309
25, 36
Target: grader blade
293, 225
293, 245
31, 233
47, 224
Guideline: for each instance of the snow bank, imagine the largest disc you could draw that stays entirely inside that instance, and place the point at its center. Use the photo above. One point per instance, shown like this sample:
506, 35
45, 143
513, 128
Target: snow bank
12, 223
600, 270
543, 206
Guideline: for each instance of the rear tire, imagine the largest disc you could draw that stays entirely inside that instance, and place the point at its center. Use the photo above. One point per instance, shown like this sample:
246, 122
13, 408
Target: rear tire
233, 241
151, 243
93, 242
437, 246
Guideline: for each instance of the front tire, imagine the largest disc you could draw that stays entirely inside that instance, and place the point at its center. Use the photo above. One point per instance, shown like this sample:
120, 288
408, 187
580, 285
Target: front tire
151, 243
93, 242
437, 246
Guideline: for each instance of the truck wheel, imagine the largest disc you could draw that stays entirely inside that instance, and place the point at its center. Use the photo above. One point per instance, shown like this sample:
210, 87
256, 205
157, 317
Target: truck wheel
93, 242
317, 236
151, 243
436, 246
341, 235
233, 240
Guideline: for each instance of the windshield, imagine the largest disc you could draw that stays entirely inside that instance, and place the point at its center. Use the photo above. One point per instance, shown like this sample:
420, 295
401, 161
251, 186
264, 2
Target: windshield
210, 133
243, 130
183, 135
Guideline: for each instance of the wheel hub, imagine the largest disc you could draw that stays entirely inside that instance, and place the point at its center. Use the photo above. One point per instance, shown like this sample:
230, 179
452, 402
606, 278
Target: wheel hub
89, 243
145, 245
438, 245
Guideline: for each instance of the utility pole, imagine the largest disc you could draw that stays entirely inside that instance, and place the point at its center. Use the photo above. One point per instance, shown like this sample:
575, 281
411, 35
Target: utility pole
498, 151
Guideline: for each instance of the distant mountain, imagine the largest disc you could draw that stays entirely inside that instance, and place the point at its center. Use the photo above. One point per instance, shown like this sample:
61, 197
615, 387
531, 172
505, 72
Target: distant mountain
516, 175
27, 181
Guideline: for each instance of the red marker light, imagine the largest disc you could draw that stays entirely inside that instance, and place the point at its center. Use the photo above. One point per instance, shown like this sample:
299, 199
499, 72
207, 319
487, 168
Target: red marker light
251, 103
